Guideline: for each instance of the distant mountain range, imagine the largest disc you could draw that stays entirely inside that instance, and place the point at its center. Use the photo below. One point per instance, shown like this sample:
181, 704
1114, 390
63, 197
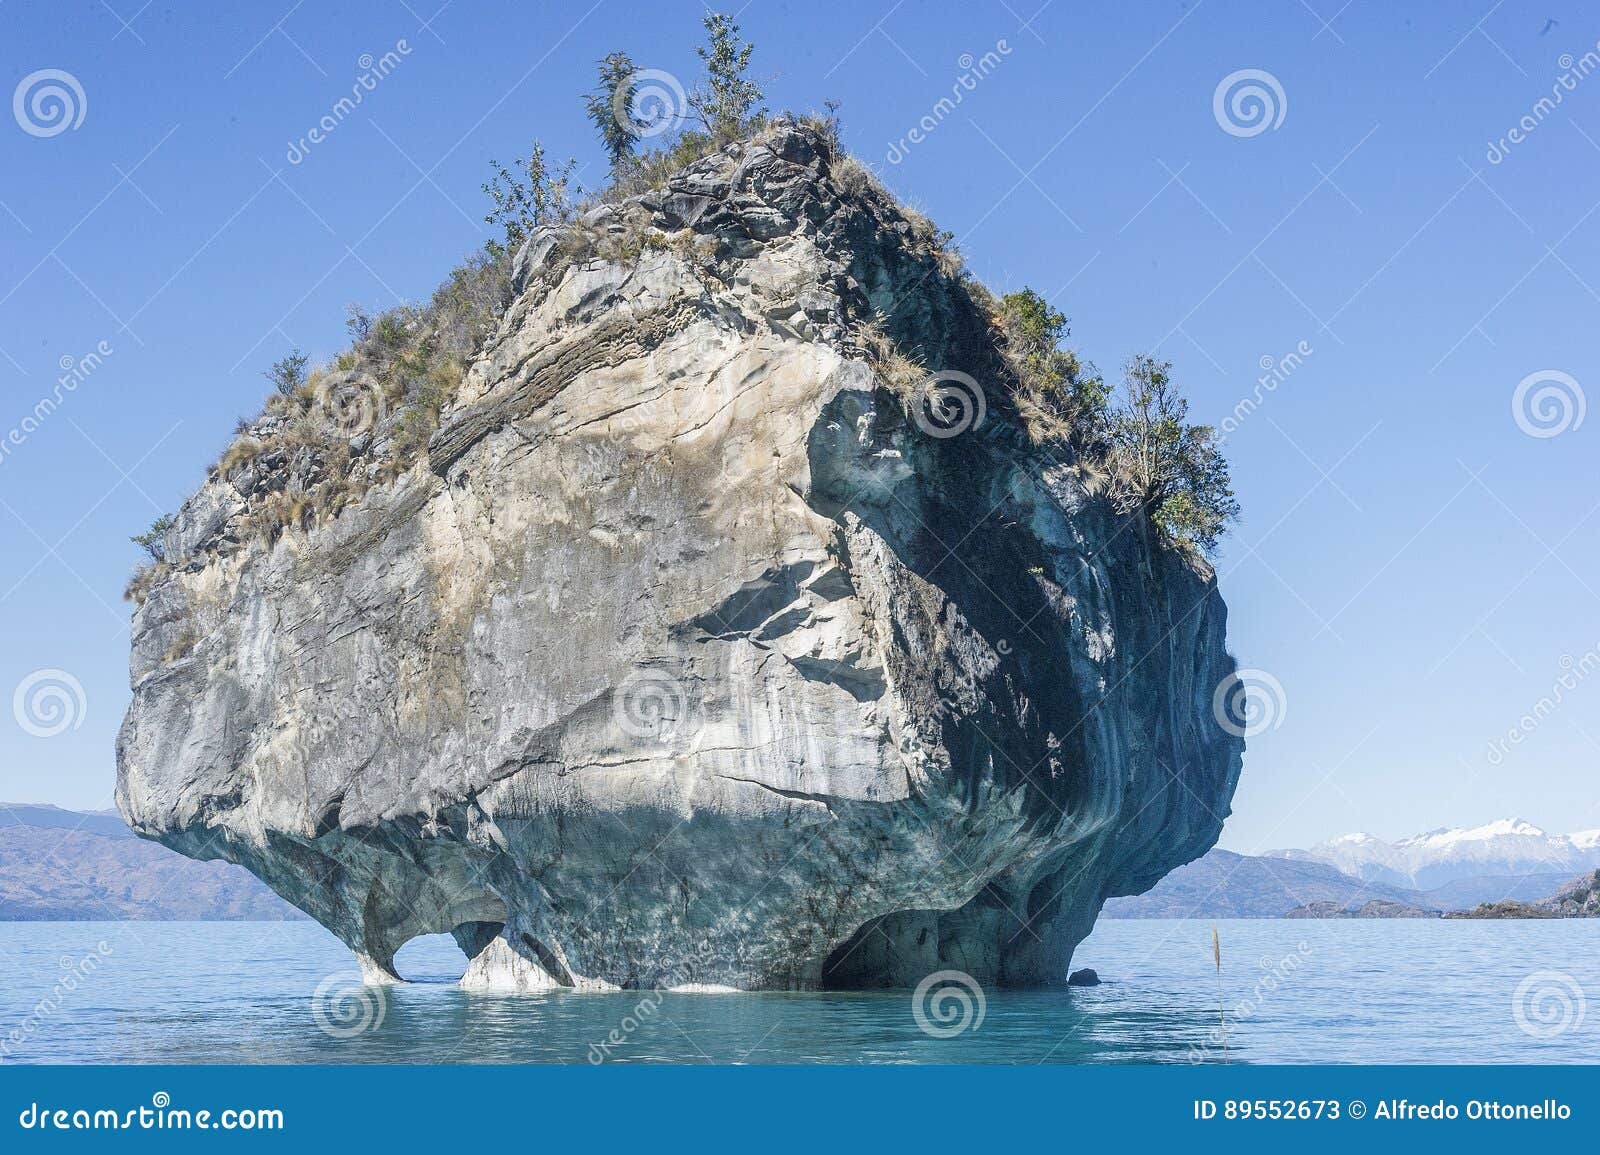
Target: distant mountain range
1510, 846
1222, 884
1443, 870
76, 865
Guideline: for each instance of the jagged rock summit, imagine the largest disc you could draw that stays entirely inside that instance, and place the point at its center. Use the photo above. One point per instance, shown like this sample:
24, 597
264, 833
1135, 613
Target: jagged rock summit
696, 649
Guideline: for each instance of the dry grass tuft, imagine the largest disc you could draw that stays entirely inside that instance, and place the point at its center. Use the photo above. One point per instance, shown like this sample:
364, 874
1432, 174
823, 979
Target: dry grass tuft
898, 371
241, 453
183, 645
145, 579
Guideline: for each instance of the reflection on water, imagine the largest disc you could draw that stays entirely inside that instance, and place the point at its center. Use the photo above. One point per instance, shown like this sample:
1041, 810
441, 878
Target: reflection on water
1293, 991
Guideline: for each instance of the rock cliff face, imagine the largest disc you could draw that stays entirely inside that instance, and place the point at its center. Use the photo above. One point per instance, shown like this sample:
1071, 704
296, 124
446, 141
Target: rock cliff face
693, 651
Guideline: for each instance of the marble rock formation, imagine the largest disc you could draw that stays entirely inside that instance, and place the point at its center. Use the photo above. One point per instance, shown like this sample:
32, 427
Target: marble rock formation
692, 651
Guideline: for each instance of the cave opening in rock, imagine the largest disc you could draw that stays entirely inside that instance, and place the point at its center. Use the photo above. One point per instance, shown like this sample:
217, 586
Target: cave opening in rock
431, 958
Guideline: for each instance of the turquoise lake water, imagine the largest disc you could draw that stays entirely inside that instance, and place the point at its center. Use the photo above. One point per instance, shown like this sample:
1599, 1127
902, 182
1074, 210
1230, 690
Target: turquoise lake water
1293, 992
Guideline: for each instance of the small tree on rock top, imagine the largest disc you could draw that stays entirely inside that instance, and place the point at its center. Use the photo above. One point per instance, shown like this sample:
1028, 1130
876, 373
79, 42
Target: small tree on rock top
610, 108
728, 99
1172, 470
523, 200
1053, 380
153, 542
288, 373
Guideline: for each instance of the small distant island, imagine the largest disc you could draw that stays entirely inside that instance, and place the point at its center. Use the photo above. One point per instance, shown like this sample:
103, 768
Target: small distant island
1372, 908
1580, 898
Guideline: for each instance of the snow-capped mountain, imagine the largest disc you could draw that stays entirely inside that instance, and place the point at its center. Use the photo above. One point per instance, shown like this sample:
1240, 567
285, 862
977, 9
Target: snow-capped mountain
1507, 847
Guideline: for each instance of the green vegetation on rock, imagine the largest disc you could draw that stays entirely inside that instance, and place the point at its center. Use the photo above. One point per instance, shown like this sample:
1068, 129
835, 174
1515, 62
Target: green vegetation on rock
329, 433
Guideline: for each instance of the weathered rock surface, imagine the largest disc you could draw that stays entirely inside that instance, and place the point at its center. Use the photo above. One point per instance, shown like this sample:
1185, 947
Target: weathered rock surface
687, 657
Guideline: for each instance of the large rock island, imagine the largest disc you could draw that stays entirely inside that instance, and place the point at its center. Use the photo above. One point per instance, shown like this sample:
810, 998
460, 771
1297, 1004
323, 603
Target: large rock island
678, 632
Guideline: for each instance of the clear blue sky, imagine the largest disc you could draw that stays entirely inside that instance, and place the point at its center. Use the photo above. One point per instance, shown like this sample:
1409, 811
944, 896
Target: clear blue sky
1411, 567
